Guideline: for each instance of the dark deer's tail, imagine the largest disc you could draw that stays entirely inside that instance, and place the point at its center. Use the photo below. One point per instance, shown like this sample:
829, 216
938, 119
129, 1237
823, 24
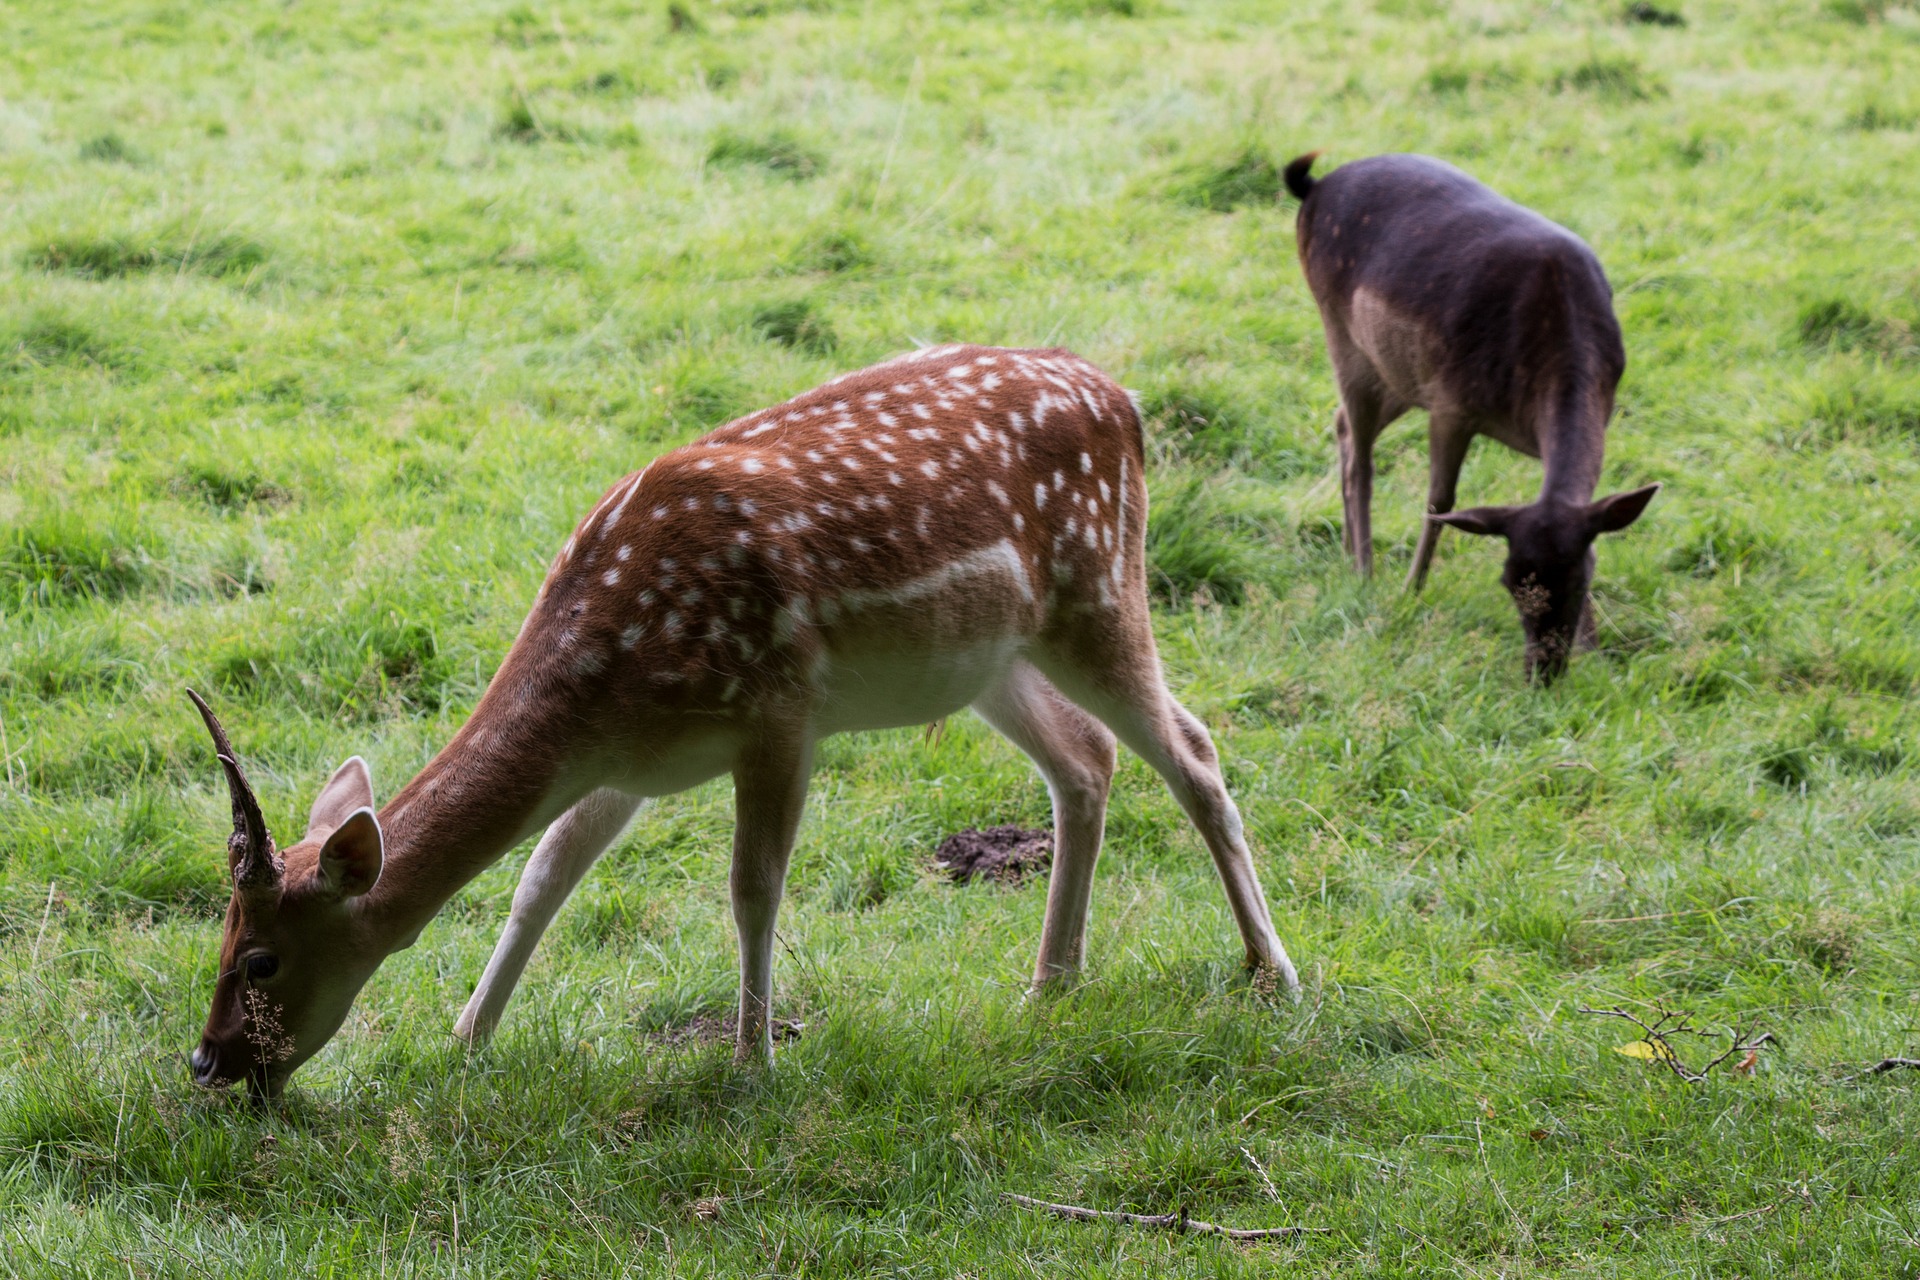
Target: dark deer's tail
1298, 174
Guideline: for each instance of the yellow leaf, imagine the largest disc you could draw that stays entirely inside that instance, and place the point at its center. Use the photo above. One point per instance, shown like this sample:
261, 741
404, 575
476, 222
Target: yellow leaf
1646, 1051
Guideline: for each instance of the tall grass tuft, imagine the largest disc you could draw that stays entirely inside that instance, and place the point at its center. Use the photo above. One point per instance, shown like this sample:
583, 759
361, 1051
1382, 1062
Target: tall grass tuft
109, 148
795, 323
107, 257
1249, 177
778, 153
66, 556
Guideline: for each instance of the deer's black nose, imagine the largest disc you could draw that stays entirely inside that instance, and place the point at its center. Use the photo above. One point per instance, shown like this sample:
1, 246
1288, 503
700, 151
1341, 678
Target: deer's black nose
201, 1061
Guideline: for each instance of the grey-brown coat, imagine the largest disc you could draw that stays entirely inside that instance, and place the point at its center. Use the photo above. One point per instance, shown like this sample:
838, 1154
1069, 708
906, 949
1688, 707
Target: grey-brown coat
1437, 293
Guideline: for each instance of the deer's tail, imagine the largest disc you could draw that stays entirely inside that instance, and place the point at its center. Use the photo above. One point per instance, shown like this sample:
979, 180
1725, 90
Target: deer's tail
1298, 174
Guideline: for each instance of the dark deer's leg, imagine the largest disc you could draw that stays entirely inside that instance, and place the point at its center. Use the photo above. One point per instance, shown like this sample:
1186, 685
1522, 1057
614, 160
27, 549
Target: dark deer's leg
1356, 483
1586, 634
1447, 440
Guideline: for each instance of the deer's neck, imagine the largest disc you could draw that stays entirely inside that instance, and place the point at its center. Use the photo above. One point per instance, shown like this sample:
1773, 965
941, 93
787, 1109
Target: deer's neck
490, 788
1572, 447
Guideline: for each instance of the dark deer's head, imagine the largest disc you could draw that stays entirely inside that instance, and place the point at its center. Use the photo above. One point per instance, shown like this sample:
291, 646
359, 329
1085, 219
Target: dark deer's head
292, 957
1550, 564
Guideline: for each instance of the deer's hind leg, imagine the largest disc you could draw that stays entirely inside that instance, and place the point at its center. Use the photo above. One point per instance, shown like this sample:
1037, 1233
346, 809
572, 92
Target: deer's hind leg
1074, 753
1363, 413
1114, 672
571, 845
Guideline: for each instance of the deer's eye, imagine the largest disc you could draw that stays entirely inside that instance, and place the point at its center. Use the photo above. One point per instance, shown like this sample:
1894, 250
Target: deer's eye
260, 968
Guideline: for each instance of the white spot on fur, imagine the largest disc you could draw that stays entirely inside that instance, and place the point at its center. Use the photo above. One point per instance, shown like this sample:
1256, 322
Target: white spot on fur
791, 617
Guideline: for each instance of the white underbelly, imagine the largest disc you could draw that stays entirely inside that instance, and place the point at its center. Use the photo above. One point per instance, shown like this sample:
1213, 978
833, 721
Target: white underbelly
692, 760
881, 690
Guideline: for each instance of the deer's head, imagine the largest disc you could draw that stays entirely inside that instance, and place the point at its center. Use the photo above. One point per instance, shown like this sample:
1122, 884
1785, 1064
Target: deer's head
1550, 564
296, 948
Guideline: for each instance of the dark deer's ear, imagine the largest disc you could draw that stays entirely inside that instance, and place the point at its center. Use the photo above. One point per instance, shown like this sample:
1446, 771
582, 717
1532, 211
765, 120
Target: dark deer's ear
1488, 520
350, 859
1616, 511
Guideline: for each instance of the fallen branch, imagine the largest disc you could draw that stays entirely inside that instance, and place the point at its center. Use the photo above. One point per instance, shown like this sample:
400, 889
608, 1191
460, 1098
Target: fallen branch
1885, 1065
1170, 1221
1656, 1035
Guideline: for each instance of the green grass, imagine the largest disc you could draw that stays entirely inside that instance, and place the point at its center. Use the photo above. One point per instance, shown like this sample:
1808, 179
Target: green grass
319, 329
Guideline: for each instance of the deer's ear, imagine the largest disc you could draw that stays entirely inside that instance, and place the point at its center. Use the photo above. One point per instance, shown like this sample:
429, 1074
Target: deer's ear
350, 859
1494, 521
1616, 511
350, 788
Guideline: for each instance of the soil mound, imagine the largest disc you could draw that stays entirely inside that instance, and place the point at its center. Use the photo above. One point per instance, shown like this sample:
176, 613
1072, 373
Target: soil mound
1006, 854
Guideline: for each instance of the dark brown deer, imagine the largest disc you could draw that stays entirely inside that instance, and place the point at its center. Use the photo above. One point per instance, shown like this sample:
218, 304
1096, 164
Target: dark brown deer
961, 526
1438, 294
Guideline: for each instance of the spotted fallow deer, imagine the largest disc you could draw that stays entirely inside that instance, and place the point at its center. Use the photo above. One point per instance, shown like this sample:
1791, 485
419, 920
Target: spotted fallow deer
1436, 293
960, 526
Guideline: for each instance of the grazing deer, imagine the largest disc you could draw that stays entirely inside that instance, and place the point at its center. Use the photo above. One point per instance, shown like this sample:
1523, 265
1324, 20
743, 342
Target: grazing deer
1438, 294
961, 526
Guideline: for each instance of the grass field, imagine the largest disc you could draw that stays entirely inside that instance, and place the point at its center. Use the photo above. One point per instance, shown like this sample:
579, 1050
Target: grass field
320, 326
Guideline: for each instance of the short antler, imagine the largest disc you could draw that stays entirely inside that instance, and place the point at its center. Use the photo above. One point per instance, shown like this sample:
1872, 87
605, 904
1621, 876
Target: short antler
250, 850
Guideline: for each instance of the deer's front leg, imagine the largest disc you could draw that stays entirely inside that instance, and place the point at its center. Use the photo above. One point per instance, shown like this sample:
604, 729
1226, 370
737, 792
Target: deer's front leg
769, 792
1447, 441
572, 844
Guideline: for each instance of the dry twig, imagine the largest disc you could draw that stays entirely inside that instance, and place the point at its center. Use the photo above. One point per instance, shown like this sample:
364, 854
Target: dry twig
1885, 1065
1170, 1221
1657, 1035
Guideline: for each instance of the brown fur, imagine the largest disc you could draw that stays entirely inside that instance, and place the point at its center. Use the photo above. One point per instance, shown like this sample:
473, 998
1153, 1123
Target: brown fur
959, 526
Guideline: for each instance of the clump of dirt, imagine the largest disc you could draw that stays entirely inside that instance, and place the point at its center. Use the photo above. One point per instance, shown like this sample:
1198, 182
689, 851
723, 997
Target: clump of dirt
709, 1028
1005, 854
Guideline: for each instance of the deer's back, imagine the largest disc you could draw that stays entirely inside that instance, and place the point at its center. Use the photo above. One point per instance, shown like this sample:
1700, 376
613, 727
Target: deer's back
1448, 285
897, 534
